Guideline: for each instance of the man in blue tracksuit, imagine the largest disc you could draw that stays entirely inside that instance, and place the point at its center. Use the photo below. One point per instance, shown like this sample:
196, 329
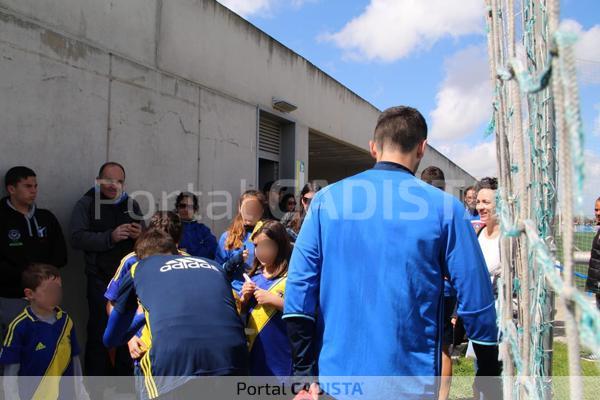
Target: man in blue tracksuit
365, 288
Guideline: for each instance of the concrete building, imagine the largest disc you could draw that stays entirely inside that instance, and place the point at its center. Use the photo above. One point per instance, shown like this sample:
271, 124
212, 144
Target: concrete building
185, 93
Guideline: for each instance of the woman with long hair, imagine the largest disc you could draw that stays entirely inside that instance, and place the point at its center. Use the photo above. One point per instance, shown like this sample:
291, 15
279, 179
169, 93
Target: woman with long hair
235, 251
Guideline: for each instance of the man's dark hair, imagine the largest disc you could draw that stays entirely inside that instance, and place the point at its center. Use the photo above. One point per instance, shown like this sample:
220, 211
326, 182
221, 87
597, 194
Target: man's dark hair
35, 274
16, 174
167, 221
488, 183
110, 164
186, 195
402, 128
272, 185
154, 241
434, 176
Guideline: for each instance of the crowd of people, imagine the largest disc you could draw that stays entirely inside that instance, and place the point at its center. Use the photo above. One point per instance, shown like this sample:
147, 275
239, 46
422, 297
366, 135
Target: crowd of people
325, 290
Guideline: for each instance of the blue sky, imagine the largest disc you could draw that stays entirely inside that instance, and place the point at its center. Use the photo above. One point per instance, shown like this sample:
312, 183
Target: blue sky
428, 54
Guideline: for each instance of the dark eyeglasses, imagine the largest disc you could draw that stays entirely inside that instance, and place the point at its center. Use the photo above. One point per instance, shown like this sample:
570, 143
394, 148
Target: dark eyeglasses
184, 206
307, 200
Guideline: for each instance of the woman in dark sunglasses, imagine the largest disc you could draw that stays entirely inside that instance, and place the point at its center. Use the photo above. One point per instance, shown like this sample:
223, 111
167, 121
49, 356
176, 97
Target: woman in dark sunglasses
293, 220
197, 239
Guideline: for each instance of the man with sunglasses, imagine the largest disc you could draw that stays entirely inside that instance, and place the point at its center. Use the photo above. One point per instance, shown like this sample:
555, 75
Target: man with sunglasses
104, 224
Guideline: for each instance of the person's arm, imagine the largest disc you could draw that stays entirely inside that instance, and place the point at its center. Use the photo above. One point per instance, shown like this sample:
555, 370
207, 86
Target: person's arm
10, 358
235, 263
124, 268
221, 255
469, 276
59, 246
82, 238
10, 381
302, 293
272, 299
593, 279
80, 391
138, 214
301, 334
118, 328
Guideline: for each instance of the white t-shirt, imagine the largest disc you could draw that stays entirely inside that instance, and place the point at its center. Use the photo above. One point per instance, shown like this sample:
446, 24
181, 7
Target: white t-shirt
491, 252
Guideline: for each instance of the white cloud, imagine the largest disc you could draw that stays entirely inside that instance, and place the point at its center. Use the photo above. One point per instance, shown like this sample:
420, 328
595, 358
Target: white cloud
392, 29
300, 3
246, 8
587, 50
596, 125
464, 100
591, 183
479, 159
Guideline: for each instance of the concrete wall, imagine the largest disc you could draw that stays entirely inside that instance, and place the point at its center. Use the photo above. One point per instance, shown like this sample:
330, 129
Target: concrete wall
171, 89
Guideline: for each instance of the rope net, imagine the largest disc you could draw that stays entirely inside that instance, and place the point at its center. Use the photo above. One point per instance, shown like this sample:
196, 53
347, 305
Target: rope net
539, 142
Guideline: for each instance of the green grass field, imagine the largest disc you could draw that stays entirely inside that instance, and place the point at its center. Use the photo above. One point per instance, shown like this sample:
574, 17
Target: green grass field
463, 371
582, 242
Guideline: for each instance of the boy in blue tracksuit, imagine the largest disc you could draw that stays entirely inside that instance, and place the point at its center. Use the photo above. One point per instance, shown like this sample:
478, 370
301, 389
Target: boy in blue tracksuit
369, 264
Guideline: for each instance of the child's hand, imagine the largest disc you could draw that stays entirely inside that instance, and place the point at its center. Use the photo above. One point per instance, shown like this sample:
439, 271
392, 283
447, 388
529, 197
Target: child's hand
245, 255
264, 297
247, 290
137, 348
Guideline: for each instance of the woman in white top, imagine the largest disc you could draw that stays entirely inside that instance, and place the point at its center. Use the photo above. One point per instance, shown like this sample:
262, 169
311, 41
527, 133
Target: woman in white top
489, 236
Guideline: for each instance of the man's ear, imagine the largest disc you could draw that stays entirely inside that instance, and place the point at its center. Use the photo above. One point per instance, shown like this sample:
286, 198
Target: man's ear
11, 189
421, 149
373, 149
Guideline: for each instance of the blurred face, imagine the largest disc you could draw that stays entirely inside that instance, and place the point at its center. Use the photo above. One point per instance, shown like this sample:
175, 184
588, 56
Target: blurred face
251, 211
486, 206
597, 212
24, 192
471, 199
265, 249
111, 182
185, 208
47, 296
291, 204
306, 199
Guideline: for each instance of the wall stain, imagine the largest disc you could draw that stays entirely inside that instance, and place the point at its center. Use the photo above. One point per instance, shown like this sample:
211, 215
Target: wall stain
63, 46
148, 108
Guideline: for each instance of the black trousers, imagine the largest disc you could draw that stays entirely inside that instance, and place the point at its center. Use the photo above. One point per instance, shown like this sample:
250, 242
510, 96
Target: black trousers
97, 359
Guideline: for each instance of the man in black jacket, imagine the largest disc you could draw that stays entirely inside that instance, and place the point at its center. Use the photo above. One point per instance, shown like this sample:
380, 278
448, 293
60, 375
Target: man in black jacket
105, 224
593, 281
28, 234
